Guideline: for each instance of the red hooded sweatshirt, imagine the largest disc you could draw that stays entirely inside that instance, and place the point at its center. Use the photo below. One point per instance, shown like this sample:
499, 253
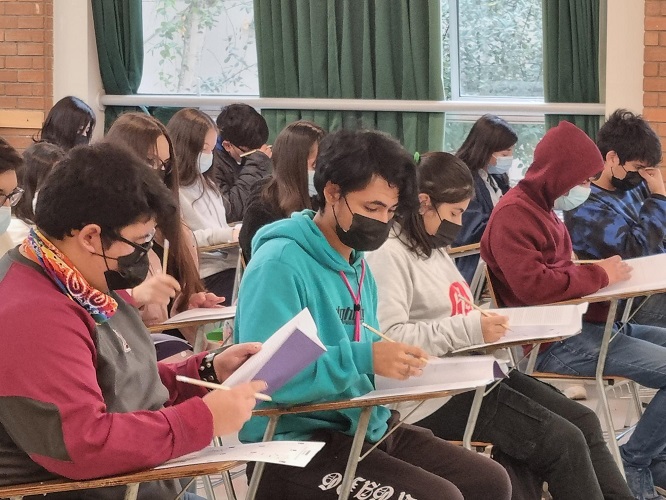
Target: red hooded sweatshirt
526, 246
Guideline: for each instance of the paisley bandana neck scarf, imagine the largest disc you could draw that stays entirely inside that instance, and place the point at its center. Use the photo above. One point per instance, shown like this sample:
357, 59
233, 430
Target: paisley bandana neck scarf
72, 283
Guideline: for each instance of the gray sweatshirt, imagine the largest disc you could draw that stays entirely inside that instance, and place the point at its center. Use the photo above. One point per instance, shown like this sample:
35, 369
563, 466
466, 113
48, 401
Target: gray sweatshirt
419, 304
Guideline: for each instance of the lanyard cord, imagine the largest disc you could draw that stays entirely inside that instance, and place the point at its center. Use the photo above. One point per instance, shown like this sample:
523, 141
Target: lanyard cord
357, 301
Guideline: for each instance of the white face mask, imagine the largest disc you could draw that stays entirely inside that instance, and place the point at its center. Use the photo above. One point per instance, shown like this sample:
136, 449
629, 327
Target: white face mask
502, 165
311, 188
205, 161
574, 198
5, 219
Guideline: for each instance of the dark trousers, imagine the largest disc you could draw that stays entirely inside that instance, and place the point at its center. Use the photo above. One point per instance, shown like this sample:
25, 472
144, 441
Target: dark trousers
537, 426
411, 464
222, 284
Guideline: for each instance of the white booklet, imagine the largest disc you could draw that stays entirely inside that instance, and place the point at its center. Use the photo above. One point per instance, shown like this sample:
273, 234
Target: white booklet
287, 352
648, 274
442, 374
536, 323
293, 453
203, 314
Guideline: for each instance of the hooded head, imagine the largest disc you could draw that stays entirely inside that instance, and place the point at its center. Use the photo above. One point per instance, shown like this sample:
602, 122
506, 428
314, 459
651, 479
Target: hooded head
564, 158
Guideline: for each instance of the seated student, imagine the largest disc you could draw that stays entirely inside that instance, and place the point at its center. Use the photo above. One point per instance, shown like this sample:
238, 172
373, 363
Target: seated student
362, 178
538, 428
194, 136
10, 192
528, 252
38, 160
70, 122
488, 152
149, 139
625, 213
92, 401
292, 185
242, 130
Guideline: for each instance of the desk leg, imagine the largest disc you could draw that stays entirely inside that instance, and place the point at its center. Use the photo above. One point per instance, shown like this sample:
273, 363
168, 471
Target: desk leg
531, 361
603, 351
259, 466
355, 453
229, 485
132, 491
473, 415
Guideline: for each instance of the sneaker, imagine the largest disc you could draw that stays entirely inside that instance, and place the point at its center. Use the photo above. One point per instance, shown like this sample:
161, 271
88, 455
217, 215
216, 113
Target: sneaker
640, 483
576, 392
658, 470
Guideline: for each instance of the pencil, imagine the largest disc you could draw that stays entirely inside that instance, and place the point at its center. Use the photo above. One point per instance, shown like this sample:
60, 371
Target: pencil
388, 339
211, 385
482, 311
248, 153
165, 256
585, 261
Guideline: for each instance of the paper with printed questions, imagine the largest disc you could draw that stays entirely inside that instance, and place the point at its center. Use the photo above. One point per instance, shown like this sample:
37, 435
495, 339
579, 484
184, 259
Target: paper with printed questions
647, 274
442, 374
293, 453
203, 314
536, 323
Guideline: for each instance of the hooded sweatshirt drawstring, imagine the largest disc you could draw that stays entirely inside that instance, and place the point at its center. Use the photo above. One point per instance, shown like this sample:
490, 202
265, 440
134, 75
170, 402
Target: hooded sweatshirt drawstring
357, 301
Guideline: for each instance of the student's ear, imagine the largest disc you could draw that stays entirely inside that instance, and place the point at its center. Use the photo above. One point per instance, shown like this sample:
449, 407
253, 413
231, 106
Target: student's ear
612, 158
227, 146
424, 203
90, 238
331, 193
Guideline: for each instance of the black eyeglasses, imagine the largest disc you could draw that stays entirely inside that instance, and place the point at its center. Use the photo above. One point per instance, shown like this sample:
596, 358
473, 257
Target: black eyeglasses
13, 197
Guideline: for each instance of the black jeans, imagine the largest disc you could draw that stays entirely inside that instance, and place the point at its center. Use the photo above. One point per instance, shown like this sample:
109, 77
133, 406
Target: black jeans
558, 439
410, 464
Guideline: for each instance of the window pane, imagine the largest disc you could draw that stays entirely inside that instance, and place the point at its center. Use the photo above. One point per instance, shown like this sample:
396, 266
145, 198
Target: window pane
529, 134
199, 47
500, 48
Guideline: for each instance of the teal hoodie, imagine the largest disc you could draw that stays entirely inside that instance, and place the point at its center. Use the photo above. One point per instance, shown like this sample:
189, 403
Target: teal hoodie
293, 266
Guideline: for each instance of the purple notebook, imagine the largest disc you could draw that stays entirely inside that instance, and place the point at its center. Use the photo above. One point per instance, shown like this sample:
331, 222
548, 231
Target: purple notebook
297, 352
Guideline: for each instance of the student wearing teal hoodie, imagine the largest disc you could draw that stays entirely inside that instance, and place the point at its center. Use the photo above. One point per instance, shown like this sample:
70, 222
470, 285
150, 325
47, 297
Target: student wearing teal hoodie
315, 260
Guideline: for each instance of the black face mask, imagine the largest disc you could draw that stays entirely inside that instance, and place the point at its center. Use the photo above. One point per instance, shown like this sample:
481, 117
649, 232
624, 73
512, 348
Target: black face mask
445, 235
365, 234
630, 181
81, 139
132, 268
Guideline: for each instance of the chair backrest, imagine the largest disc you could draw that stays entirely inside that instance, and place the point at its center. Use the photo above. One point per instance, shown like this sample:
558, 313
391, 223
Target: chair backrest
491, 289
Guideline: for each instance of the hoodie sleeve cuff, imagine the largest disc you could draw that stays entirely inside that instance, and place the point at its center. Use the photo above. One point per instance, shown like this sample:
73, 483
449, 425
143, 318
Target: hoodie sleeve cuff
362, 355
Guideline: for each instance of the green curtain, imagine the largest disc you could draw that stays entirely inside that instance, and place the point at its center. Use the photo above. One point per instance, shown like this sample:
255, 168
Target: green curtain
364, 49
571, 58
119, 35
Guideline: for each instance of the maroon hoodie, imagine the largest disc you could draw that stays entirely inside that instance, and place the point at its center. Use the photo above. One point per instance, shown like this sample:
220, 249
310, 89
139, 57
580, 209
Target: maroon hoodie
526, 246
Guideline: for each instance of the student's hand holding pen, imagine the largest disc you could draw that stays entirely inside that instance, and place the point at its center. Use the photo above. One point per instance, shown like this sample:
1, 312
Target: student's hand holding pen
493, 327
157, 289
232, 408
616, 269
398, 360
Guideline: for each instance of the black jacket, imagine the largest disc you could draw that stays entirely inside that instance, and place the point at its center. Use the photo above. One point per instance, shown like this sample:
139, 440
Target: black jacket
237, 182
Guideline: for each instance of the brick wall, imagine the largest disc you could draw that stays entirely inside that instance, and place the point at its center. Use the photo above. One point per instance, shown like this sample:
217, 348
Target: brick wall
26, 68
654, 68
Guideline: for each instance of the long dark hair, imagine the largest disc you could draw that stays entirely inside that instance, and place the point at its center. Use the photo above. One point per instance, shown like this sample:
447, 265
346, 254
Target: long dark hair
287, 191
489, 135
188, 129
38, 160
67, 119
139, 132
446, 179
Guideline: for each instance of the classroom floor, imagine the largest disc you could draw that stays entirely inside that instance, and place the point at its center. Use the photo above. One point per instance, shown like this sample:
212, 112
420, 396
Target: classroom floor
619, 399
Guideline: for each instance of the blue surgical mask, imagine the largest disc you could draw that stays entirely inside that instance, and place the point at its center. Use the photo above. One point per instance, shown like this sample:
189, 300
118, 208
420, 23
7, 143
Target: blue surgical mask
501, 166
205, 162
311, 187
5, 219
574, 198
